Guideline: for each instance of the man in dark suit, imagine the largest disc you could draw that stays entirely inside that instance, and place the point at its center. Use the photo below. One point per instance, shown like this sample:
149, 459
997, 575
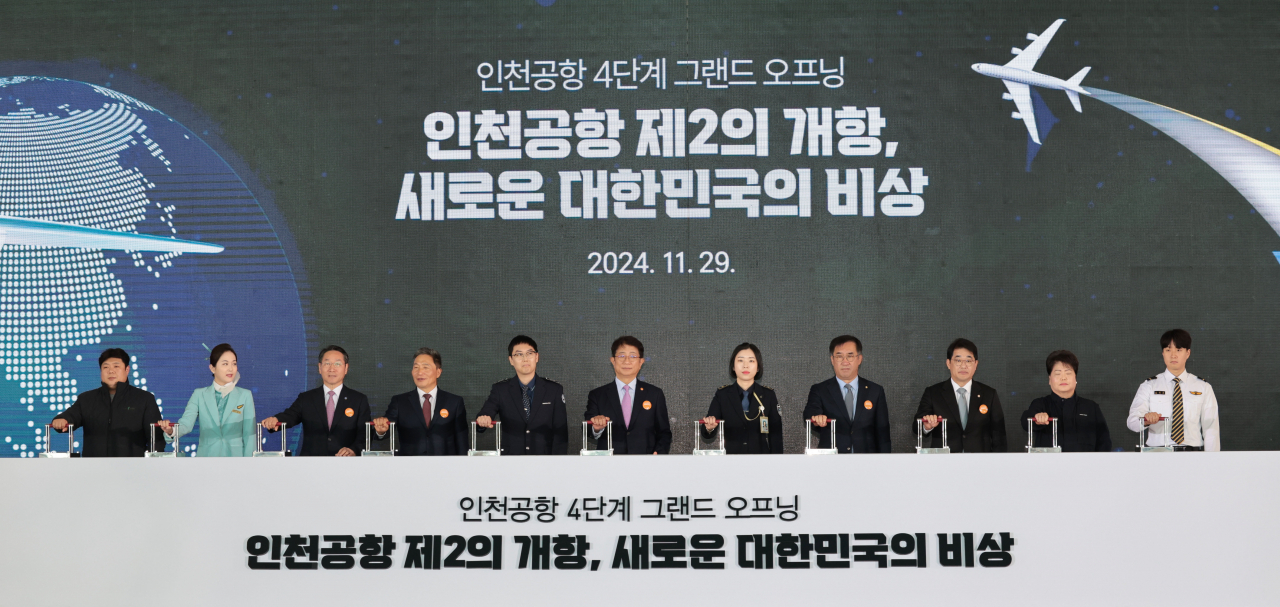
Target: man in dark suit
333, 416
975, 421
856, 404
530, 407
116, 416
638, 409
429, 421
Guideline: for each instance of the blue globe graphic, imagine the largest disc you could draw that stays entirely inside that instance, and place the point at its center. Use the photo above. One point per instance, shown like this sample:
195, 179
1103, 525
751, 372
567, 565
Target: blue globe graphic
77, 153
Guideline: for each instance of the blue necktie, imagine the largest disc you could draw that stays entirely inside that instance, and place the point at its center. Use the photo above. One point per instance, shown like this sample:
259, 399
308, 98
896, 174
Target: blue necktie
848, 401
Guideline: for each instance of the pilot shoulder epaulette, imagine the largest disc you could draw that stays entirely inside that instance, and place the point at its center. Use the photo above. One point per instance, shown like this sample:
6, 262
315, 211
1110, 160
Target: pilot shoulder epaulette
724, 386
1152, 377
764, 386
550, 380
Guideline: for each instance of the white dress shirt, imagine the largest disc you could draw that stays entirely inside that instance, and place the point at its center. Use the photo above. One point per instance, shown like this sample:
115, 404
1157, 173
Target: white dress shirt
337, 395
1199, 411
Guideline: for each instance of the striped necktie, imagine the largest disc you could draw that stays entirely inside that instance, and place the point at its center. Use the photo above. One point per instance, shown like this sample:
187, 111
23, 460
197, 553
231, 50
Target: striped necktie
1177, 411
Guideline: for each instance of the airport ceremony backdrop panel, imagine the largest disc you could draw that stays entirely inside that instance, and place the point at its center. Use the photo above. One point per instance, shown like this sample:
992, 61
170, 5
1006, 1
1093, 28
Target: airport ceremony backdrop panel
386, 176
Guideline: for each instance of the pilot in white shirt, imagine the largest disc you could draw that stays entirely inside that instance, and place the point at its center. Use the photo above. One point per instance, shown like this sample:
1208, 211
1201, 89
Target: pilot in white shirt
1185, 401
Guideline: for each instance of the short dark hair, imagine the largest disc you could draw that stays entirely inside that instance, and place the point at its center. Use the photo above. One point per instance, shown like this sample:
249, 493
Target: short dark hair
331, 348
110, 353
1061, 356
521, 339
435, 356
626, 340
842, 340
215, 355
754, 350
1177, 337
961, 342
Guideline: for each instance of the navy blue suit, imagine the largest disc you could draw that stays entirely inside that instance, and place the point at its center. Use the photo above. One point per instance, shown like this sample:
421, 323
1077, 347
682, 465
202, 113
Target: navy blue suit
985, 432
318, 438
448, 434
868, 432
650, 428
546, 432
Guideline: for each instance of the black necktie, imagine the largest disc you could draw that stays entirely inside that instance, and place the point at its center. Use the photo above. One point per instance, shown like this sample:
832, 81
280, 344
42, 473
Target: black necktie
526, 394
426, 409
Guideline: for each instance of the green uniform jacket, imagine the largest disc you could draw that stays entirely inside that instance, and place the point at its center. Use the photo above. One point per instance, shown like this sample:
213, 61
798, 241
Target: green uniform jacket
231, 436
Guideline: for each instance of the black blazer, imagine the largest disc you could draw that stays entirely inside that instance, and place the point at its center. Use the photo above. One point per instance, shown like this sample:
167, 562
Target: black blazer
742, 436
116, 428
317, 437
1081, 426
546, 432
869, 430
448, 434
650, 428
985, 431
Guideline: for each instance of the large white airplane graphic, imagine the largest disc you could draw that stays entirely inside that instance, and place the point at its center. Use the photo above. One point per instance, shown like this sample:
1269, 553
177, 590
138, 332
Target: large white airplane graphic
1019, 77
37, 232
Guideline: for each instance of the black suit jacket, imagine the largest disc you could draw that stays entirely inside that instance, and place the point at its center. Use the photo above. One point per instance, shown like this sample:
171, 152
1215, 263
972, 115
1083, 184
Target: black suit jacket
448, 434
115, 428
741, 435
546, 432
1081, 426
985, 431
650, 428
869, 430
317, 437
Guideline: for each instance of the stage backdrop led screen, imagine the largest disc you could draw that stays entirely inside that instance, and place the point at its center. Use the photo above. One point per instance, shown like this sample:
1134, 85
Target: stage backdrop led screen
391, 175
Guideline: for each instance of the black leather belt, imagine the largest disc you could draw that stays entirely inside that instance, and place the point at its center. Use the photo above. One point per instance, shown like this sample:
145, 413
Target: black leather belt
1187, 448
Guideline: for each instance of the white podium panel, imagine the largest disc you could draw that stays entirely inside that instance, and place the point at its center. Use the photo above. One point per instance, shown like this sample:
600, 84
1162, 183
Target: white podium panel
992, 529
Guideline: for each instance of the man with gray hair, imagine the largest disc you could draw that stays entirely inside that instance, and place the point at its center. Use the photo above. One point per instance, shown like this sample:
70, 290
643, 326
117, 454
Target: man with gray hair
429, 421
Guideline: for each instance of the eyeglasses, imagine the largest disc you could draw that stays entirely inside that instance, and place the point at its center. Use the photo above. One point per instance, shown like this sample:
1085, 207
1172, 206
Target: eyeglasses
626, 356
524, 355
842, 357
333, 365
964, 362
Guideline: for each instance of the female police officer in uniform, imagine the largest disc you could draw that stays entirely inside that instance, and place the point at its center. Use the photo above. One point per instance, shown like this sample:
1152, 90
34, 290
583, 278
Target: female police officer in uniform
747, 409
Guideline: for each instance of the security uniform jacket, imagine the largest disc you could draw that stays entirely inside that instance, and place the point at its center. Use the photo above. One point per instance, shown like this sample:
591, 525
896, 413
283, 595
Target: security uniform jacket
318, 438
650, 427
449, 424
546, 432
869, 430
985, 431
742, 435
115, 427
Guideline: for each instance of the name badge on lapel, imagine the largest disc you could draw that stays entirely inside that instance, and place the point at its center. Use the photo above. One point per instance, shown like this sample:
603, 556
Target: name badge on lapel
1159, 392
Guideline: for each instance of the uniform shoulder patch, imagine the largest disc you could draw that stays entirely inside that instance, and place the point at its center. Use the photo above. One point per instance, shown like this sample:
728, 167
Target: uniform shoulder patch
1152, 377
764, 386
550, 380
724, 386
